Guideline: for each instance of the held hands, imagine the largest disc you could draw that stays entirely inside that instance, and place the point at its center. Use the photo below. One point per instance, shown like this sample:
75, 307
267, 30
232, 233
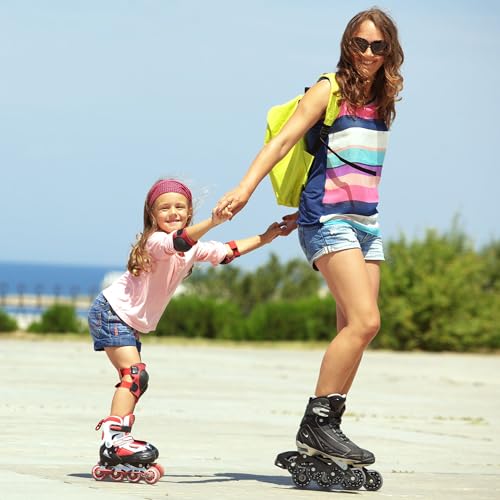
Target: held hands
218, 217
289, 223
233, 200
276, 229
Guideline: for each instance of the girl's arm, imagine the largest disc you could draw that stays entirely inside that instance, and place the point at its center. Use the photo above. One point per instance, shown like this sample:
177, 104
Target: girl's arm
246, 245
196, 231
310, 109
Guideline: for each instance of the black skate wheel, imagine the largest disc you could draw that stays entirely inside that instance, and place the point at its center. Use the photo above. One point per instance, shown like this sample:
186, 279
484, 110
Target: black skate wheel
323, 479
354, 479
373, 481
300, 477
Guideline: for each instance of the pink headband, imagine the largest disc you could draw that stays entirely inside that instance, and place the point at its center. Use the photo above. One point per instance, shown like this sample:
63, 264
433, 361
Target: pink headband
168, 186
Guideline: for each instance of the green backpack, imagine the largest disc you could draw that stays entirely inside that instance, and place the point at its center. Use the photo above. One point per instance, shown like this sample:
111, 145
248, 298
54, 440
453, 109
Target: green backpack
289, 175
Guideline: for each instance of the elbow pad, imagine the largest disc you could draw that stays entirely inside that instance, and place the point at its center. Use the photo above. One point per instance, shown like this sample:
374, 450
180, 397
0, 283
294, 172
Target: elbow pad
182, 242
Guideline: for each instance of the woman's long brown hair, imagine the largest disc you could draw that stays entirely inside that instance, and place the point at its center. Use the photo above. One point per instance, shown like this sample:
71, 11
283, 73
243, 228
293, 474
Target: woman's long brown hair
388, 80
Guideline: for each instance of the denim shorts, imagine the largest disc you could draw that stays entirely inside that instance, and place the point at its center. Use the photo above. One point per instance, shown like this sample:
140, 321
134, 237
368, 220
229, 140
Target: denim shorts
107, 329
322, 239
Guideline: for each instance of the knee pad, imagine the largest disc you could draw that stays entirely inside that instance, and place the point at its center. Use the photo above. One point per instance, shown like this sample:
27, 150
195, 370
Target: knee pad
139, 382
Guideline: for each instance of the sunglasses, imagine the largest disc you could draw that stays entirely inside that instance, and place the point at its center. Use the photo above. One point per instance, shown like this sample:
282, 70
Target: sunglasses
378, 47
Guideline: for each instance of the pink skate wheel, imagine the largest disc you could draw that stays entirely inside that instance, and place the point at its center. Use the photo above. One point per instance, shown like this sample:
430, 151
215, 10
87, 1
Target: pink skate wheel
118, 475
97, 473
152, 475
134, 476
160, 468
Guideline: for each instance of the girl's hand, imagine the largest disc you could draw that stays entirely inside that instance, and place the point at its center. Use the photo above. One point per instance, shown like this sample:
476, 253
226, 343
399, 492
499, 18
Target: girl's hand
274, 230
233, 200
223, 216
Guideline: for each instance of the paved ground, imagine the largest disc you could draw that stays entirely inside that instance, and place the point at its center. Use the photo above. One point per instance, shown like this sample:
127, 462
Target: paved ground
219, 415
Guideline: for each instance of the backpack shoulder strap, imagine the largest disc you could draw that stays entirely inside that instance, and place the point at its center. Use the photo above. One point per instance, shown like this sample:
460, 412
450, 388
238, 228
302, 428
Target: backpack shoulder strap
332, 110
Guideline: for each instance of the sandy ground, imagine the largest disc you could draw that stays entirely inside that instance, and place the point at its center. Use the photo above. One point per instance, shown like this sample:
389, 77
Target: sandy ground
219, 415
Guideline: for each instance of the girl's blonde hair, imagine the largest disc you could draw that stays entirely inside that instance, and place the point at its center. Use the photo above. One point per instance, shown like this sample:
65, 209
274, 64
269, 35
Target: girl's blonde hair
139, 259
388, 80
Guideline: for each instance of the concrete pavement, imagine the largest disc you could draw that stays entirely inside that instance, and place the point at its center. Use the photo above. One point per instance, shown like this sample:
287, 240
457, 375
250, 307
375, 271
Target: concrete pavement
219, 415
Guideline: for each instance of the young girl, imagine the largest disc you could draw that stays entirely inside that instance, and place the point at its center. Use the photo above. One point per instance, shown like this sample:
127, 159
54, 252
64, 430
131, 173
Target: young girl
161, 258
338, 217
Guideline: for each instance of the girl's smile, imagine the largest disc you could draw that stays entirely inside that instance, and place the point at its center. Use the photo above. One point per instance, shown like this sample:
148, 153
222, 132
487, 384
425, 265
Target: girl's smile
172, 212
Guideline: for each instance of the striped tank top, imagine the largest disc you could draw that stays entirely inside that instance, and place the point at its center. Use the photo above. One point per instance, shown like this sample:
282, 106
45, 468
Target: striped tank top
337, 192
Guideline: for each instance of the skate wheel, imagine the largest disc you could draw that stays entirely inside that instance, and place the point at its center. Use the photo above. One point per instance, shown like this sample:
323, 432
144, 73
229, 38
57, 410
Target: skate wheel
134, 476
373, 481
152, 475
98, 473
300, 477
323, 479
160, 468
118, 475
354, 479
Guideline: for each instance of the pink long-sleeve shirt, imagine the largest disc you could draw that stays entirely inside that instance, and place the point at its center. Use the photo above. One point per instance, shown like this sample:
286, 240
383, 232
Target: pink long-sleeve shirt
141, 300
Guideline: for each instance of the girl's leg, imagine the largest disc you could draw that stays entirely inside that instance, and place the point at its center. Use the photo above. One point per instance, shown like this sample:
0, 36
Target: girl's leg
123, 357
373, 268
350, 281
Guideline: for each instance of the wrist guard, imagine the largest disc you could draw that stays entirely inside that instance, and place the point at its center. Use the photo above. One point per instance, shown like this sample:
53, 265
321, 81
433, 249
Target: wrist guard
236, 252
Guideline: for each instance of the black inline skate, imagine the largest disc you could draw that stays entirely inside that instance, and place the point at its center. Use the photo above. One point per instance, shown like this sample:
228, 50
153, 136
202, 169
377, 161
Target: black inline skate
325, 454
122, 457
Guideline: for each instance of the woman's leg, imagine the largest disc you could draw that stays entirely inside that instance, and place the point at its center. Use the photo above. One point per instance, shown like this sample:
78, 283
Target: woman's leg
373, 268
352, 284
123, 357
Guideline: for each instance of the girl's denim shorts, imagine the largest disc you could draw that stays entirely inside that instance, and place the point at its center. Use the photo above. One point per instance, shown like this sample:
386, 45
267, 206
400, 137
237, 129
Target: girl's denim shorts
107, 329
322, 239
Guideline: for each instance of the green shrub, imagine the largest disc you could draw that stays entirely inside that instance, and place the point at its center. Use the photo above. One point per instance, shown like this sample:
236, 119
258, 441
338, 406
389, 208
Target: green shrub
191, 316
59, 318
7, 323
439, 294
308, 319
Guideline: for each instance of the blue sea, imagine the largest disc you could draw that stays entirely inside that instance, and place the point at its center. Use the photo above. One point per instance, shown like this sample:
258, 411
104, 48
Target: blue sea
18, 279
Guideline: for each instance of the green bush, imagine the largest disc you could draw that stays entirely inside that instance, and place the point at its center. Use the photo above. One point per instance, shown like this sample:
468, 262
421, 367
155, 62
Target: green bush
7, 323
59, 318
438, 294
308, 319
191, 316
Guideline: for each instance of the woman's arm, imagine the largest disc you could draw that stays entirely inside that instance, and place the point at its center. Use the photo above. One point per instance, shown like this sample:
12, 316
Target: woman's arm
310, 109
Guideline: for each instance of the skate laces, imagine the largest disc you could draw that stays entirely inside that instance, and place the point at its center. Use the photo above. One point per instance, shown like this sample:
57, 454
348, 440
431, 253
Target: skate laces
335, 425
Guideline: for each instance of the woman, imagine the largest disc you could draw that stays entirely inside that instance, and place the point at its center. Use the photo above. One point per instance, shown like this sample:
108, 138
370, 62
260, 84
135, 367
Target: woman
337, 216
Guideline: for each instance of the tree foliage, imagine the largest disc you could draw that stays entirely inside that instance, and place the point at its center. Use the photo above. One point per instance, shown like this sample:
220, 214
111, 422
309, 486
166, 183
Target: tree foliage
438, 293
270, 282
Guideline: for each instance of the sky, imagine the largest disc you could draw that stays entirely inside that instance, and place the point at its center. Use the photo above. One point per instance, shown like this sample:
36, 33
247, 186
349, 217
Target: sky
99, 99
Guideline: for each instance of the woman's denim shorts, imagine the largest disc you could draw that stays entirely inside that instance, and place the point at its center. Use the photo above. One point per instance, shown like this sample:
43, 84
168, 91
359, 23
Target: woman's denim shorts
107, 329
322, 239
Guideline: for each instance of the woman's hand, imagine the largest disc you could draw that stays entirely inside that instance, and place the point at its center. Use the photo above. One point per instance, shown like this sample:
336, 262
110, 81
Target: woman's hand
221, 216
290, 223
233, 201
